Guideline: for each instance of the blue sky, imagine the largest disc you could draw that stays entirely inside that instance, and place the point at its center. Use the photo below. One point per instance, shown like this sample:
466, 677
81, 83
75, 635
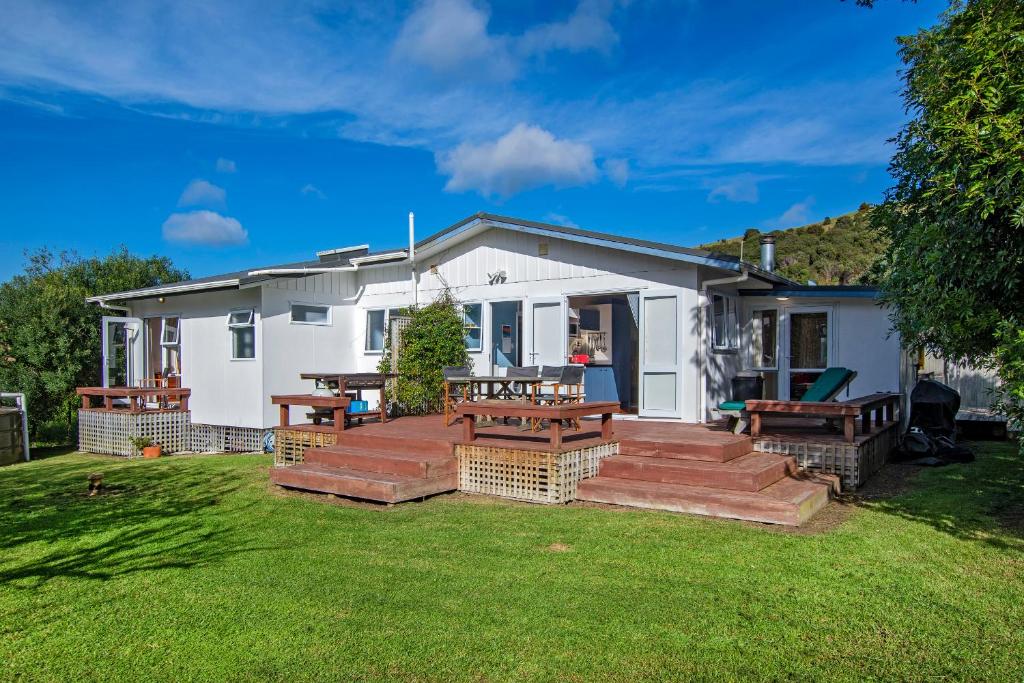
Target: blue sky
228, 136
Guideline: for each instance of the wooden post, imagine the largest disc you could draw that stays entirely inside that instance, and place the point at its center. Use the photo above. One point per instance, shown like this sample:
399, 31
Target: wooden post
86, 402
183, 403
283, 411
339, 419
606, 426
755, 424
108, 402
556, 432
468, 427
849, 428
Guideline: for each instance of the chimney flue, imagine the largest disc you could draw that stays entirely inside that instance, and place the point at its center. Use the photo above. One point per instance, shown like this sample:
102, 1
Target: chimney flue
768, 253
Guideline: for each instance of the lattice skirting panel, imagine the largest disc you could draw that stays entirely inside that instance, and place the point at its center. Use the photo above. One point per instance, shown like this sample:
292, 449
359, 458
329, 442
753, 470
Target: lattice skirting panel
226, 439
290, 444
528, 475
853, 464
109, 431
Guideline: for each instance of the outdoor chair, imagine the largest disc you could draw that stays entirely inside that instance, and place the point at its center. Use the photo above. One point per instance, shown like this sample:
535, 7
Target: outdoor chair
827, 387
522, 389
455, 391
568, 388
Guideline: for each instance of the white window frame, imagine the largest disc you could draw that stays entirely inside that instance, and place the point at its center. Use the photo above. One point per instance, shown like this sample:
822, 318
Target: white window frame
388, 311
232, 326
163, 331
752, 361
731, 331
462, 314
291, 313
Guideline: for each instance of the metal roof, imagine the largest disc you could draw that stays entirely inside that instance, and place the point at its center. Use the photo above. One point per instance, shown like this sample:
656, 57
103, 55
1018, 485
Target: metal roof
821, 291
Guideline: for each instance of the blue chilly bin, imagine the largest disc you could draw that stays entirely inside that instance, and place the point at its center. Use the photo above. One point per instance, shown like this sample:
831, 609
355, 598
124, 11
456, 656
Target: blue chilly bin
358, 406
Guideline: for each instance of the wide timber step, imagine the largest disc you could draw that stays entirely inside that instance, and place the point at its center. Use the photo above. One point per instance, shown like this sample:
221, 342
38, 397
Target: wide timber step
790, 500
378, 486
384, 461
714, 447
750, 472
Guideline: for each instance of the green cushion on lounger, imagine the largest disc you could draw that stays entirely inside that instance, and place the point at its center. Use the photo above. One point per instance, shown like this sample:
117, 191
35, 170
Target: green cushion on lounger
828, 384
732, 405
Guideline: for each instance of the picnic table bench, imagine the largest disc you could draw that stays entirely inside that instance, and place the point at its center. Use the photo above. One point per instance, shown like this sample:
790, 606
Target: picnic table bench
337, 405
558, 414
885, 407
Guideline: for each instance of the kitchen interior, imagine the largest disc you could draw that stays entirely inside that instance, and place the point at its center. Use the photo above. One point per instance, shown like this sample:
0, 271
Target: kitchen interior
604, 338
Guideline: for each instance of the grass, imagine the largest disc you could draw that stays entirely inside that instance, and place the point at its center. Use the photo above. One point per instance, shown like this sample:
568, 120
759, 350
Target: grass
193, 568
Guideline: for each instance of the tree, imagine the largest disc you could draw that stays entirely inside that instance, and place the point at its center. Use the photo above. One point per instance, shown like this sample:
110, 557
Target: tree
49, 335
433, 339
954, 219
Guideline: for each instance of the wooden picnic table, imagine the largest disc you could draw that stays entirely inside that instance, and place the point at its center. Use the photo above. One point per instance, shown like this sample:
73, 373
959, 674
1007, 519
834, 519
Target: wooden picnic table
558, 414
885, 407
337, 405
495, 386
357, 382
136, 397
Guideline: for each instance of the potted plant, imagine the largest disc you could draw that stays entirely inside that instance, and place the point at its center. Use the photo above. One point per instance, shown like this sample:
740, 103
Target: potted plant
145, 444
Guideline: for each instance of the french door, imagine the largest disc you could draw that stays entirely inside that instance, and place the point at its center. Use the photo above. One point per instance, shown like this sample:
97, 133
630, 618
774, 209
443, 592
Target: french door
546, 328
660, 354
808, 349
123, 351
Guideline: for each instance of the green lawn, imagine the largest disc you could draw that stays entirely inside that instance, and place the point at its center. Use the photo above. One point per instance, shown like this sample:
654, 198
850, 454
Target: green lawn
194, 568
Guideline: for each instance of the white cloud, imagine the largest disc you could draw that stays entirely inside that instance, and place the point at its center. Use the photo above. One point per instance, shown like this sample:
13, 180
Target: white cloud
587, 28
226, 165
738, 188
617, 171
797, 214
559, 219
450, 38
311, 189
200, 192
525, 157
204, 227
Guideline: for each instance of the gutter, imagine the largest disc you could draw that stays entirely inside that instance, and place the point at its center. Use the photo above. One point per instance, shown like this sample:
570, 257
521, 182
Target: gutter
157, 291
305, 270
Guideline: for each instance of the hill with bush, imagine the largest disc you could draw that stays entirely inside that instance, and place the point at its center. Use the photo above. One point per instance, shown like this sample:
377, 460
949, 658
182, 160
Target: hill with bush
835, 251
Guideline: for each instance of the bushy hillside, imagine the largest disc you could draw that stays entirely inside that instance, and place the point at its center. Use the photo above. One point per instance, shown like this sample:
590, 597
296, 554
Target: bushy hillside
836, 251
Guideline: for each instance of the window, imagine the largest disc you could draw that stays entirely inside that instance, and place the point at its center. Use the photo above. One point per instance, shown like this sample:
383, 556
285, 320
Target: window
472, 317
311, 314
724, 322
376, 329
169, 334
764, 335
170, 350
242, 326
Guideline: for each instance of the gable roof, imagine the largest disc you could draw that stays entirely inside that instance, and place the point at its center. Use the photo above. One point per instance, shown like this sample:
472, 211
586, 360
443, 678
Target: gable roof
481, 221
478, 222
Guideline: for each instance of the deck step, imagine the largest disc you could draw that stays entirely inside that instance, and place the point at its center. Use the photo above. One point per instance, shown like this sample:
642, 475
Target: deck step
386, 462
750, 472
718, 450
376, 486
358, 438
789, 501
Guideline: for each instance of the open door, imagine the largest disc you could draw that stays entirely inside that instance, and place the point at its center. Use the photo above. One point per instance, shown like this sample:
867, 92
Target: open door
123, 351
546, 322
660, 354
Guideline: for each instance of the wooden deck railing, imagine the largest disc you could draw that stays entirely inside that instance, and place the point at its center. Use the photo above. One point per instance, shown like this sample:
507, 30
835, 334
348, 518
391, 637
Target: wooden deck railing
138, 398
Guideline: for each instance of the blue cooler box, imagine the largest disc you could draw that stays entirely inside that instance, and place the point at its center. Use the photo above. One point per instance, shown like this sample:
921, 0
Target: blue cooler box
358, 406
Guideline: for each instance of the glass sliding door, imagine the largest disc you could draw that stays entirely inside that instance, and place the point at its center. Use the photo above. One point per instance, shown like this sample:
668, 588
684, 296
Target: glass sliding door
809, 348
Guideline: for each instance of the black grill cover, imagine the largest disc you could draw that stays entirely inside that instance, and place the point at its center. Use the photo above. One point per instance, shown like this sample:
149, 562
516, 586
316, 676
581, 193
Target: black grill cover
933, 408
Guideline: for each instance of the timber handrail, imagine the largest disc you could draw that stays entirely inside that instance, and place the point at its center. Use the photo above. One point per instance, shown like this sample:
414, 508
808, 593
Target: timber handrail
136, 396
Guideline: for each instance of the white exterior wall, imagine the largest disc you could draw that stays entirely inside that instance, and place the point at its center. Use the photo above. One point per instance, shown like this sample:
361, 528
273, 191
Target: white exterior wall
224, 391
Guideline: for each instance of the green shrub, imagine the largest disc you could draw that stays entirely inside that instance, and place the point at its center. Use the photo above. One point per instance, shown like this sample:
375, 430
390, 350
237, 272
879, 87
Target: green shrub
432, 340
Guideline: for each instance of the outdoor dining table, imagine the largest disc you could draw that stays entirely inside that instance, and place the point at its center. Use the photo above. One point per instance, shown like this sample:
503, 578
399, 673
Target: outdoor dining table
496, 387
357, 382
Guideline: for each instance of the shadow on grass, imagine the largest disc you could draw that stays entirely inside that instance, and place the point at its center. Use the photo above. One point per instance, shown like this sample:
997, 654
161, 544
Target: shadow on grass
972, 501
150, 516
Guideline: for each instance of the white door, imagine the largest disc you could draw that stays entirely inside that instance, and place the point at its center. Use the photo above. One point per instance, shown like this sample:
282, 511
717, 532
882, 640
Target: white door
547, 325
122, 351
660, 354
807, 349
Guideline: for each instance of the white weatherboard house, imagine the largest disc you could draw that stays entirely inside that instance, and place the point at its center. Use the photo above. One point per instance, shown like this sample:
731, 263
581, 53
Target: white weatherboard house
663, 329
